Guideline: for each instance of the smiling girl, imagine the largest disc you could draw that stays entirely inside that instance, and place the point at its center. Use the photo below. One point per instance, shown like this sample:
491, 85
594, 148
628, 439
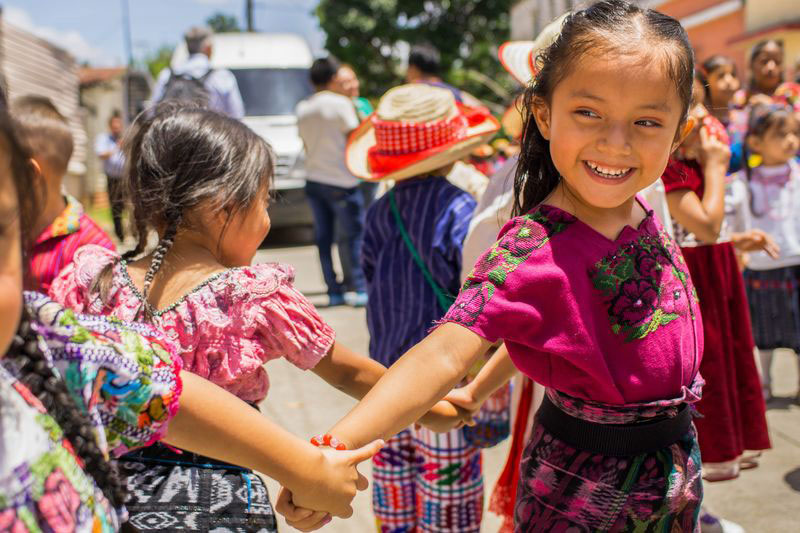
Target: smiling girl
591, 297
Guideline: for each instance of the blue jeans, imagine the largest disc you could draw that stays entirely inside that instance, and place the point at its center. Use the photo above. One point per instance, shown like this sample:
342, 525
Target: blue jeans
332, 206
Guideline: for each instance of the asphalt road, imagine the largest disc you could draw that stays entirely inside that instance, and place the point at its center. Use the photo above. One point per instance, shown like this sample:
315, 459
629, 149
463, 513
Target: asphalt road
763, 500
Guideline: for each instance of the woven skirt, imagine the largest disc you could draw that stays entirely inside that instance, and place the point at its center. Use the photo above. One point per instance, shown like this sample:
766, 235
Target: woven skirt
565, 489
169, 491
774, 298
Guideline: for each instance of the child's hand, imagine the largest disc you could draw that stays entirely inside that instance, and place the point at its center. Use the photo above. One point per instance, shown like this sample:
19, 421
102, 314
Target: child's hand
756, 240
445, 416
338, 481
299, 517
465, 398
712, 150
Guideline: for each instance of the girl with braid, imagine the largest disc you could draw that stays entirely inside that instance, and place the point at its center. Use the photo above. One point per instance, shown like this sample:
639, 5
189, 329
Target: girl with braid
76, 389
201, 181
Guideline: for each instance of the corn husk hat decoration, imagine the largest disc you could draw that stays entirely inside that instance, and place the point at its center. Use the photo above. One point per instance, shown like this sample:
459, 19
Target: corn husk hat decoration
416, 129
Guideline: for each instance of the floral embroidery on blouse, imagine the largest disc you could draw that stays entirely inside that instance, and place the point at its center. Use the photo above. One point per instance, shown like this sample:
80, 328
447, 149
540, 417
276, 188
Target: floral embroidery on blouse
124, 378
530, 233
637, 288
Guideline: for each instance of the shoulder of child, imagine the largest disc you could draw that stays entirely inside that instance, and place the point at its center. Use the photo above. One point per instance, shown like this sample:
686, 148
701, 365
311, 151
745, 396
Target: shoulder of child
259, 281
75, 280
524, 238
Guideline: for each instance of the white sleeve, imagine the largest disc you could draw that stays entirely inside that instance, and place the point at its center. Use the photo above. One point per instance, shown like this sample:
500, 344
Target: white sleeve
347, 113
161, 83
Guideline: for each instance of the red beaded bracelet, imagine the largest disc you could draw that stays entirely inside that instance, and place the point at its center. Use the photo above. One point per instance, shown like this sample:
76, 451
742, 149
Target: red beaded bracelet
328, 440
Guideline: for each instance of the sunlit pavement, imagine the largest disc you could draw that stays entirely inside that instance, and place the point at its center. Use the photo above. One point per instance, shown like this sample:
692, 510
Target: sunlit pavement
766, 499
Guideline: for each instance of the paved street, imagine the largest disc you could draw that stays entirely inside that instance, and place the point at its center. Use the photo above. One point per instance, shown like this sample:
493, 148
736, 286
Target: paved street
763, 500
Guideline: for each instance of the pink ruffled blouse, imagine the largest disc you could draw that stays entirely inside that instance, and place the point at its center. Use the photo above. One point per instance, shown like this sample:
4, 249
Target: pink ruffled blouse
227, 327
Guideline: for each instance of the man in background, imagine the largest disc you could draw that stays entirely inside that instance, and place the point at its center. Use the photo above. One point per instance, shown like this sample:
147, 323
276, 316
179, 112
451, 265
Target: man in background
107, 147
324, 121
195, 80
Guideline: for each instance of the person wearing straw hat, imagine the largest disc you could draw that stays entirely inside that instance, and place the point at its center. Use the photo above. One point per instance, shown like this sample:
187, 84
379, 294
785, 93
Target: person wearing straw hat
423, 481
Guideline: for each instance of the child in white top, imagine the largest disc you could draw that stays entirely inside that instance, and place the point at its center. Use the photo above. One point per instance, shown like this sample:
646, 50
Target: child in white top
772, 193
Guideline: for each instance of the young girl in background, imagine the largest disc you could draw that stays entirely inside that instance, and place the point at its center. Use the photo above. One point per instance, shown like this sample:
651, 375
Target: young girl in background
773, 194
201, 181
720, 82
75, 389
592, 299
766, 73
732, 407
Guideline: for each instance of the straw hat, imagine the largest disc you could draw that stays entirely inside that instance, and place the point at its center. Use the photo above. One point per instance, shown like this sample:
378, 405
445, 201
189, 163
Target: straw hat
417, 128
519, 57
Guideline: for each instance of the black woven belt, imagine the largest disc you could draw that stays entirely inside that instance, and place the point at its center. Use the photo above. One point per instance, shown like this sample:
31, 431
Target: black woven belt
614, 439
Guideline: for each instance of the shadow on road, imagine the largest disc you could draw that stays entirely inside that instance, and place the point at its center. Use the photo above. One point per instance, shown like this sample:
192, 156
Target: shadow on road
289, 237
793, 479
782, 403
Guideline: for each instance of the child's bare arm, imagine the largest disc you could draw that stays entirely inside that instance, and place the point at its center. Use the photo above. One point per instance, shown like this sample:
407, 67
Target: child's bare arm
351, 373
494, 374
215, 423
424, 375
704, 216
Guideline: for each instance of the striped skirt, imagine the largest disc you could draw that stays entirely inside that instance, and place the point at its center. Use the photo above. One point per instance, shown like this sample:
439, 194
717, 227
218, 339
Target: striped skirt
774, 298
564, 489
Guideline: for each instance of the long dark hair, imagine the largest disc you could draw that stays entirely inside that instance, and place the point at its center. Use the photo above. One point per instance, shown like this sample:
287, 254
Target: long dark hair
177, 158
589, 29
34, 370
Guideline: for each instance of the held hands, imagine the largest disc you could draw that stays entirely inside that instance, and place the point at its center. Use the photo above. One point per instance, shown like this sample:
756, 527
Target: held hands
445, 415
310, 505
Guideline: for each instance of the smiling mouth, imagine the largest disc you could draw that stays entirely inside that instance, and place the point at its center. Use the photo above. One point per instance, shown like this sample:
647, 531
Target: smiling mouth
608, 172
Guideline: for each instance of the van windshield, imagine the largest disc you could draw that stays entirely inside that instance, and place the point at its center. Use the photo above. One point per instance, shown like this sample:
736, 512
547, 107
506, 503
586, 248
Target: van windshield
272, 91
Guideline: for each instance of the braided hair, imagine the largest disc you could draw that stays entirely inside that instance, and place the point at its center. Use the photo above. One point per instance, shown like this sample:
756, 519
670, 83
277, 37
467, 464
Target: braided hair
603, 26
178, 157
33, 369
36, 373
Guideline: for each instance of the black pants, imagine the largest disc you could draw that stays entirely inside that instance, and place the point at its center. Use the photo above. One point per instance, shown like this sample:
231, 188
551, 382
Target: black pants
116, 198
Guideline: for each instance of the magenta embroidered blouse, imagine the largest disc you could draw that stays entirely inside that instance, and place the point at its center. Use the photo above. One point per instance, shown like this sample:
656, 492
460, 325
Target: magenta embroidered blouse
227, 327
610, 321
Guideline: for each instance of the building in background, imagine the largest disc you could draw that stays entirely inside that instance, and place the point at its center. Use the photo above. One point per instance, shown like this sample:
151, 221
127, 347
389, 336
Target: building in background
729, 27
31, 65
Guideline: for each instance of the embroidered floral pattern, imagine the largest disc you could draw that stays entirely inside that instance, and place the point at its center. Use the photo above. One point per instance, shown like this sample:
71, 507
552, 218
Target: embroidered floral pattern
128, 383
529, 233
642, 283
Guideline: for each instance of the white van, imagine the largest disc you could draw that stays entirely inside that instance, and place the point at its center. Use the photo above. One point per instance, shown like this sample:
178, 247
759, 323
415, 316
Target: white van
272, 72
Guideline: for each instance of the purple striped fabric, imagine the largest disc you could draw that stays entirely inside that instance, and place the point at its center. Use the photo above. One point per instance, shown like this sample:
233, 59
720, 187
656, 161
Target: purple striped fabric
402, 307
55, 246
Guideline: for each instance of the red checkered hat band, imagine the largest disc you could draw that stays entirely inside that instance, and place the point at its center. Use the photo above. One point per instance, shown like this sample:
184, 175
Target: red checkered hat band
396, 138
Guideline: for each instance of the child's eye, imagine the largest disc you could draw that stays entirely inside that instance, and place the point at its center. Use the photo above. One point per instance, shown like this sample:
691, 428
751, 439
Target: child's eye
587, 113
648, 123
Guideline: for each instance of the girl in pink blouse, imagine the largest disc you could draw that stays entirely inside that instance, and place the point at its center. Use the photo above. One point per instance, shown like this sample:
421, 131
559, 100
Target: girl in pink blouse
201, 181
590, 295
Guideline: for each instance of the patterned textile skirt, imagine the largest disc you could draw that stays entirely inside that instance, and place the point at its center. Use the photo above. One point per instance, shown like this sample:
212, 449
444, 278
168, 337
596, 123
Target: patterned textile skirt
426, 482
565, 489
732, 409
186, 492
774, 297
